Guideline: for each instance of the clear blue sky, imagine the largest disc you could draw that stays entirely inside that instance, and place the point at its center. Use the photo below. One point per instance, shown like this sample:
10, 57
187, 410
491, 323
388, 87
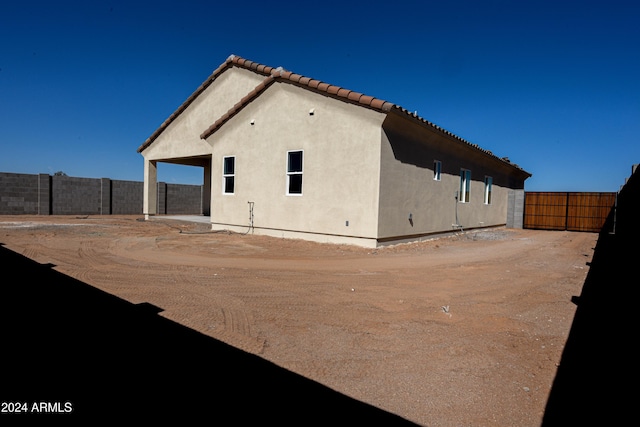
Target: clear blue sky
553, 85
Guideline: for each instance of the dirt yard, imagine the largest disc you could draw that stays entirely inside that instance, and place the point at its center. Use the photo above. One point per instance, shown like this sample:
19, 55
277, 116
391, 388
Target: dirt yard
466, 330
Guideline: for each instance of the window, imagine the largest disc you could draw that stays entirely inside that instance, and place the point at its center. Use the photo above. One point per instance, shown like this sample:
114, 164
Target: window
228, 175
488, 183
294, 172
465, 184
437, 170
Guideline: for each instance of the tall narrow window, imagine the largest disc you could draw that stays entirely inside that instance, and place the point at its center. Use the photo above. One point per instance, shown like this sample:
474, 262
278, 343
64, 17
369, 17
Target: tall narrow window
465, 184
488, 183
294, 172
228, 175
437, 170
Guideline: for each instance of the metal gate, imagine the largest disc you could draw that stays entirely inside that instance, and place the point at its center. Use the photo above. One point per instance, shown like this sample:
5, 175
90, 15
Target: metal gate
571, 211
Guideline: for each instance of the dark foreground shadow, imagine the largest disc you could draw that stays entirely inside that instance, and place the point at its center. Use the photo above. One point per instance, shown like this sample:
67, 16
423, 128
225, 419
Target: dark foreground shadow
67, 346
596, 383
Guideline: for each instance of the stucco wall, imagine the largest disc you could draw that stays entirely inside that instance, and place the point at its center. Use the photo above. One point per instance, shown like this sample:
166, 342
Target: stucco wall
182, 137
341, 150
408, 189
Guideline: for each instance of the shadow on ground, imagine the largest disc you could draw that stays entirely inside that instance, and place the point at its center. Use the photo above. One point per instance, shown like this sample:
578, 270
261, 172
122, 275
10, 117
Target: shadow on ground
596, 380
72, 346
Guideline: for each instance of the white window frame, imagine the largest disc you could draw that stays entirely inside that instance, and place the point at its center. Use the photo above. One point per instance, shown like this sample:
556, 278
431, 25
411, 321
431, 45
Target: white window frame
465, 186
228, 176
488, 188
437, 170
295, 173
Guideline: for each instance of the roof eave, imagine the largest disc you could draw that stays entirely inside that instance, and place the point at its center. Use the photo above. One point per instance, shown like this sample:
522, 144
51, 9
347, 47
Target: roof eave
414, 117
279, 74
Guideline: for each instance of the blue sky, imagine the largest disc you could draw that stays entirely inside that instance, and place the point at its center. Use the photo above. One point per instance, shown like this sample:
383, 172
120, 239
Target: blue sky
553, 85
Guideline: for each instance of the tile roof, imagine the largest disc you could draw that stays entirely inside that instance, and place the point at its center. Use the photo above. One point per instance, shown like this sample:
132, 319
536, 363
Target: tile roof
279, 74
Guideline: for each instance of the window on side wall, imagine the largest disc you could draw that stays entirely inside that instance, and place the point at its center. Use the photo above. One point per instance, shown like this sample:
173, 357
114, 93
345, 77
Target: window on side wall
465, 185
488, 183
437, 170
294, 172
228, 175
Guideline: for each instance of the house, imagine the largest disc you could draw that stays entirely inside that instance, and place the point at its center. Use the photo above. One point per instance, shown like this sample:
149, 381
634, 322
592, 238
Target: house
290, 156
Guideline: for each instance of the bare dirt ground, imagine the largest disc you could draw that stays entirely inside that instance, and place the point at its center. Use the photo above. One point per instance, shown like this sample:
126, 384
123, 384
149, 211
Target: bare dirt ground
466, 330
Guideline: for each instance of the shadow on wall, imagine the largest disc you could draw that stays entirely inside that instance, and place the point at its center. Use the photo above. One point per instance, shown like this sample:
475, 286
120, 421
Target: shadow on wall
596, 380
75, 348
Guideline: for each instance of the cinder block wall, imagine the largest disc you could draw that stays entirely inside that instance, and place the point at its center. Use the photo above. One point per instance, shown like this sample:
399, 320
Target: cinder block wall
18, 194
126, 197
26, 194
75, 196
515, 209
183, 199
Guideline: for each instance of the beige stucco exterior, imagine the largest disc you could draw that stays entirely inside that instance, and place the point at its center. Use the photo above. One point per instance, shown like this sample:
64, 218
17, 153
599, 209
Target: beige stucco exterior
181, 138
341, 165
367, 175
408, 188
180, 142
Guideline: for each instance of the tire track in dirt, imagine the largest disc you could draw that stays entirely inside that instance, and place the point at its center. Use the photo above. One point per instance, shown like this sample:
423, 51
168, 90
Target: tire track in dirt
220, 316
303, 327
31, 253
179, 289
171, 288
87, 265
262, 292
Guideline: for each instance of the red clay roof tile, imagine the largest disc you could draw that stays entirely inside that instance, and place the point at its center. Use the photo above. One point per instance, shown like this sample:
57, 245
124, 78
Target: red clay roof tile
333, 90
295, 77
354, 96
366, 99
377, 103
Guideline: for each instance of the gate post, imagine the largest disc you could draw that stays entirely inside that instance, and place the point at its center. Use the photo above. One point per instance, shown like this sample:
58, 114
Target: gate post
515, 209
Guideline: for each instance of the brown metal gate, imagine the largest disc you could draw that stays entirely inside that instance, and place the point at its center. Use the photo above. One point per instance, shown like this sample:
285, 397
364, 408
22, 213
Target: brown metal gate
572, 211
